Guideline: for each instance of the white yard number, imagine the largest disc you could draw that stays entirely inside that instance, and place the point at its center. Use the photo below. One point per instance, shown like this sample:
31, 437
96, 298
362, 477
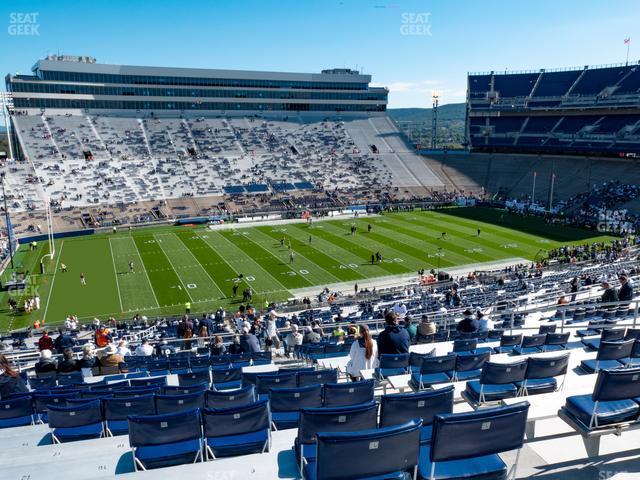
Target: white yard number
304, 272
250, 278
192, 285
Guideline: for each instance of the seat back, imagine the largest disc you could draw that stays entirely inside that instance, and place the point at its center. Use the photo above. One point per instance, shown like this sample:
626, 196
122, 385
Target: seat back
415, 359
465, 345
157, 430
339, 419
199, 362
618, 384
396, 360
121, 408
317, 377
632, 333
185, 389
16, 411
132, 392
551, 328
443, 363
351, 393
158, 364
612, 334
294, 399
372, 453
503, 373
195, 377
457, 436
266, 382
148, 382
465, 363
615, 350
230, 398
42, 400
546, 367
76, 415
402, 407
42, 383
530, 341
70, 378
237, 420
510, 340
223, 375
179, 403
557, 338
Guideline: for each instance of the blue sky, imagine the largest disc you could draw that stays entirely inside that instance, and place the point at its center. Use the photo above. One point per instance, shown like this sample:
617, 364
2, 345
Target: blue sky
412, 46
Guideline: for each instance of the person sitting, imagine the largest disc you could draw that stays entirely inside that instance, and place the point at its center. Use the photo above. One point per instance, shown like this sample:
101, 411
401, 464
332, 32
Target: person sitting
64, 341
293, 338
426, 330
625, 293
123, 349
310, 336
484, 323
68, 364
46, 363
110, 359
163, 348
249, 343
411, 328
217, 346
610, 294
102, 337
10, 381
88, 359
235, 348
45, 342
363, 354
144, 349
393, 339
468, 324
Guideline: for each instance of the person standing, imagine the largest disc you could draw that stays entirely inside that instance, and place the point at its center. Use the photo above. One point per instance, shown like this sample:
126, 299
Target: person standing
363, 354
83, 280
393, 339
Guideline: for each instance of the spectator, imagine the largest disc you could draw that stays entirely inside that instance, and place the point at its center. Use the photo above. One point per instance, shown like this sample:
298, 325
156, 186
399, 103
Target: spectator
293, 338
64, 341
203, 335
338, 333
110, 357
68, 363
10, 380
363, 354
272, 331
468, 324
123, 348
393, 339
163, 348
412, 329
484, 323
625, 294
217, 346
185, 330
45, 342
46, 363
426, 330
88, 359
102, 336
310, 336
610, 294
235, 348
400, 309
144, 349
249, 343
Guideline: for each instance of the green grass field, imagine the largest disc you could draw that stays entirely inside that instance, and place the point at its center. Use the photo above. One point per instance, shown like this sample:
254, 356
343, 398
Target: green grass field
174, 265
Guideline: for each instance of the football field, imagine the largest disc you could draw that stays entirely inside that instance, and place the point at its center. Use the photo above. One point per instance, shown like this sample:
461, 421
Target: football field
174, 265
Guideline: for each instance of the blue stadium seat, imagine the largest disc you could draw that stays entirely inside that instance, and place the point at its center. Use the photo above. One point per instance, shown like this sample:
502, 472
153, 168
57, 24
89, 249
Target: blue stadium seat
614, 400
556, 342
608, 355
42, 383
530, 344
317, 377
178, 403
237, 430
16, 411
230, 398
541, 372
184, 389
132, 392
464, 345
389, 452
401, 407
42, 400
607, 335
351, 393
392, 364
466, 445
286, 404
497, 381
72, 378
149, 382
226, 378
266, 382
339, 419
199, 362
117, 411
415, 360
163, 440
434, 370
75, 422
469, 367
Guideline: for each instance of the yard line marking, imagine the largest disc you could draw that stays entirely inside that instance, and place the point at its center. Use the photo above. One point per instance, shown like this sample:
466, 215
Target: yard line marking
198, 261
55, 272
115, 272
174, 268
246, 259
144, 269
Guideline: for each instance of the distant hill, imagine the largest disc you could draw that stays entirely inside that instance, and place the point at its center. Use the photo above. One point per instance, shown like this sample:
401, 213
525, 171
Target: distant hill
449, 112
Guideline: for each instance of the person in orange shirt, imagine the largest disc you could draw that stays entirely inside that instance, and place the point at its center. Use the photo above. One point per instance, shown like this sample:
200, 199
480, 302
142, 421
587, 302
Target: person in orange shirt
102, 337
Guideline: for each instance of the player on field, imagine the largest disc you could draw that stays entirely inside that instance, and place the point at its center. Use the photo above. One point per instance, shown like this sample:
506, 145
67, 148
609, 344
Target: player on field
83, 280
130, 267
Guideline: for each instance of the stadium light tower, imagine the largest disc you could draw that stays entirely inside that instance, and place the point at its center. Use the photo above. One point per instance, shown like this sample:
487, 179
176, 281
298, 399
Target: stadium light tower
434, 121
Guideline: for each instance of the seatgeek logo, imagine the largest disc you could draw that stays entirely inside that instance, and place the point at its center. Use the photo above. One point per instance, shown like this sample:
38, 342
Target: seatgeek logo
22, 24
415, 24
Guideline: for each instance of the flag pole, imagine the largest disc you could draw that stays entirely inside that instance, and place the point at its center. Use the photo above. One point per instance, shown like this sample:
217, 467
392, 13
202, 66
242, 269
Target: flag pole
628, 42
533, 193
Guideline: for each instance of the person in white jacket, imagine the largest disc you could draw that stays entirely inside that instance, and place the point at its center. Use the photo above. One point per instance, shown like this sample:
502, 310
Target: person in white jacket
363, 354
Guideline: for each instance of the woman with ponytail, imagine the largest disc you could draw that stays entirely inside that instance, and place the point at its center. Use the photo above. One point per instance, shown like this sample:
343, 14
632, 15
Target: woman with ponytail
363, 354
10, 380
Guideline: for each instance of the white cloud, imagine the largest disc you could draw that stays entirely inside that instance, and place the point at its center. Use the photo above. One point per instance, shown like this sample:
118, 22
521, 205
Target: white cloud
406, 94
